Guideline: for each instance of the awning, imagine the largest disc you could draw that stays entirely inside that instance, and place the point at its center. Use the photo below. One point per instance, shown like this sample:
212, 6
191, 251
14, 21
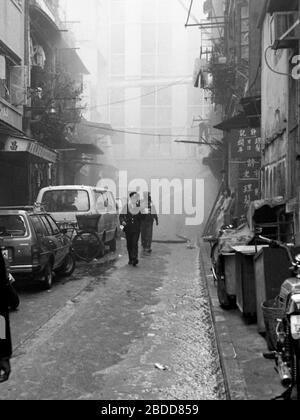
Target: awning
236, 122
71, 60
83, 148
16, 144
102, 128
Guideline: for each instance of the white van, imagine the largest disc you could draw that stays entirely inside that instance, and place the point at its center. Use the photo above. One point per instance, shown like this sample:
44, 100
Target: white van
66, 202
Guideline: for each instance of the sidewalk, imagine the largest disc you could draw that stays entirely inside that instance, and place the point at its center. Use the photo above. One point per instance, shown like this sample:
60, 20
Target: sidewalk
248, 375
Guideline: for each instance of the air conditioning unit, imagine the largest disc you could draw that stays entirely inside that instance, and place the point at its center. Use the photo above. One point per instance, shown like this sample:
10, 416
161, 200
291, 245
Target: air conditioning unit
284, 30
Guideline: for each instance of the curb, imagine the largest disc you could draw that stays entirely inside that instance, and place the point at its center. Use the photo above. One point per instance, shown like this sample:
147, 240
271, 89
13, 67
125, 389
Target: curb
234, 381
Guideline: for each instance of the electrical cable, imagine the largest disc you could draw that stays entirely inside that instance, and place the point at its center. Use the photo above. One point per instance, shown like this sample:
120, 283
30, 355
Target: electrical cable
178, 82
268, 65
150, 134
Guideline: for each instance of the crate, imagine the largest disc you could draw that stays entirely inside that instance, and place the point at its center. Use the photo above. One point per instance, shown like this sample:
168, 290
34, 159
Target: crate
88, 222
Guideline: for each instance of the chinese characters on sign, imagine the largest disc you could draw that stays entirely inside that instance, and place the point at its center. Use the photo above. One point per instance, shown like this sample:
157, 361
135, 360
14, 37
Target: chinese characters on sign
246, 143
250, 169
246, 151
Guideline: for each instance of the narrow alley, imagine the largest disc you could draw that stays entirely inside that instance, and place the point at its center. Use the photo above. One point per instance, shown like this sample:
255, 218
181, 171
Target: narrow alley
113, 332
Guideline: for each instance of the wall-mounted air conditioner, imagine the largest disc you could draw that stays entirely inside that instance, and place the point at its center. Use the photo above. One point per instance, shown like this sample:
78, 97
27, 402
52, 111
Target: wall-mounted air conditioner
284, 28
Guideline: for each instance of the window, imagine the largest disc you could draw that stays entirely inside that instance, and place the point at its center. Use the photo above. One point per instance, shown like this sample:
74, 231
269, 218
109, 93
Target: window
100, 205
148, 10
118, 10
12, 226
117, 64
111, 202
54, 228
164, 97
148, 64
164, 41
148, 96
148, 39
148, 117
118, 39
63, 201
47, 226
164, 117
39, 226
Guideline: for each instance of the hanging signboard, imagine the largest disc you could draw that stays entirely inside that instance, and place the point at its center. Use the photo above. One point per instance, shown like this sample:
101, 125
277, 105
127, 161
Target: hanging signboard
245, 143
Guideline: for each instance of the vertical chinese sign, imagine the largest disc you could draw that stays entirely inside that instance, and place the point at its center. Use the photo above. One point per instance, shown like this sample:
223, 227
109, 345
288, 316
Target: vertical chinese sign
246, 153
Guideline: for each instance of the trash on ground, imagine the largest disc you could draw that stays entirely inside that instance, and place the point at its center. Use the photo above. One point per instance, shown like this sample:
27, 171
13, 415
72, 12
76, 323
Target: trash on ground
161, 367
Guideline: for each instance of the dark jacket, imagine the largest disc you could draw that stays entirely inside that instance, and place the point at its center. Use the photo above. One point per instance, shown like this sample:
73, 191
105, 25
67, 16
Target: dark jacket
151, 216
133, 222
5, 344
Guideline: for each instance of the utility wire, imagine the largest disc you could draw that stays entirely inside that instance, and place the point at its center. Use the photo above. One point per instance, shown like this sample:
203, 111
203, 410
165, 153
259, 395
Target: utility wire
269, 66
151, 134
140, 96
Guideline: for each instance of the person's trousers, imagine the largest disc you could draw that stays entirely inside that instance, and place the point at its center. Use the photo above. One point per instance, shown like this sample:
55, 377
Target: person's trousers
133, 245
147, 233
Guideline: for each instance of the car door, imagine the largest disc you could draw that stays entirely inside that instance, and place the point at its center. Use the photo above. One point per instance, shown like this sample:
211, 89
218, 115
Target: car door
101, 210
112, 215
56, 237
45, 240
62, 238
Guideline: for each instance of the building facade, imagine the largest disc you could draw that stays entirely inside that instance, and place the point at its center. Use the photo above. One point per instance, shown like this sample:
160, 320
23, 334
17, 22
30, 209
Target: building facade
150, 89
24, 164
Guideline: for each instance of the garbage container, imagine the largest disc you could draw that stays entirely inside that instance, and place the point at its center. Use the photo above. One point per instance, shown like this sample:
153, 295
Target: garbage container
271, 266
245, 285
231, 272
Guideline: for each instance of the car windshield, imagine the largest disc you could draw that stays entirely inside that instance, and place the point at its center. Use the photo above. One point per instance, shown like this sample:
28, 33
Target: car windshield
64, 201
12, 225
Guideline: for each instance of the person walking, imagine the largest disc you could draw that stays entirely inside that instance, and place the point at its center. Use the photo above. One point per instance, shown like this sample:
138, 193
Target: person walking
130, 219
5, 335
149, 215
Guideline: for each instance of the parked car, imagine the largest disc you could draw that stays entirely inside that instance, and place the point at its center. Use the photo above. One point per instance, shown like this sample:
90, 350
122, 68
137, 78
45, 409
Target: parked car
34, 245
66, 202
13, 297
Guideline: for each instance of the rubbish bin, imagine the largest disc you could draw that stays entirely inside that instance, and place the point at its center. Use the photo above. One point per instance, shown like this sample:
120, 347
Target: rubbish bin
271, 266
245, 286
231, 272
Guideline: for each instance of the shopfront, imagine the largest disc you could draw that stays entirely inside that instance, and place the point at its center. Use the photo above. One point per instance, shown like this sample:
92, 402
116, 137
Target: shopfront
25, 167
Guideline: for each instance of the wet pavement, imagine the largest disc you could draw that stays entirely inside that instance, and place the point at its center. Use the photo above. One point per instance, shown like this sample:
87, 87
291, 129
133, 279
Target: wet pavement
114, 332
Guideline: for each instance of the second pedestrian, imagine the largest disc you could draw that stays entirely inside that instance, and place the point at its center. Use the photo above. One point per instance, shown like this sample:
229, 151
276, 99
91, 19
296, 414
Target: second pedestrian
130, 219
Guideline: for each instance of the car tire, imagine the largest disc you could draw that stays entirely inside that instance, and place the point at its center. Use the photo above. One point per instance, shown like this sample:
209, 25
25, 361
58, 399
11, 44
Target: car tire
47, 277
69, 265
101, 249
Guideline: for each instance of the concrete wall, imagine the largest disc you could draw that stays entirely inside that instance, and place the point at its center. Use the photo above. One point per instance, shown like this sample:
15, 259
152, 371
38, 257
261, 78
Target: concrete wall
12, 25
275, 114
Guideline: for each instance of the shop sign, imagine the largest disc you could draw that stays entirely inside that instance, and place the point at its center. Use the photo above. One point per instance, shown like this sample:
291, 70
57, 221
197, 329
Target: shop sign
246, 143
248, 191
250, 170
36, 149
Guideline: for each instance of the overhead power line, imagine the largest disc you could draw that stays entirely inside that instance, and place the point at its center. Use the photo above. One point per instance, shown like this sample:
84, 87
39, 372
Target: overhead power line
178, 82
138, 133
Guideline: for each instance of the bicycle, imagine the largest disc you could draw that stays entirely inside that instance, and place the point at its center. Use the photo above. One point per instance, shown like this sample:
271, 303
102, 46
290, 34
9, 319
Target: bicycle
86, 242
